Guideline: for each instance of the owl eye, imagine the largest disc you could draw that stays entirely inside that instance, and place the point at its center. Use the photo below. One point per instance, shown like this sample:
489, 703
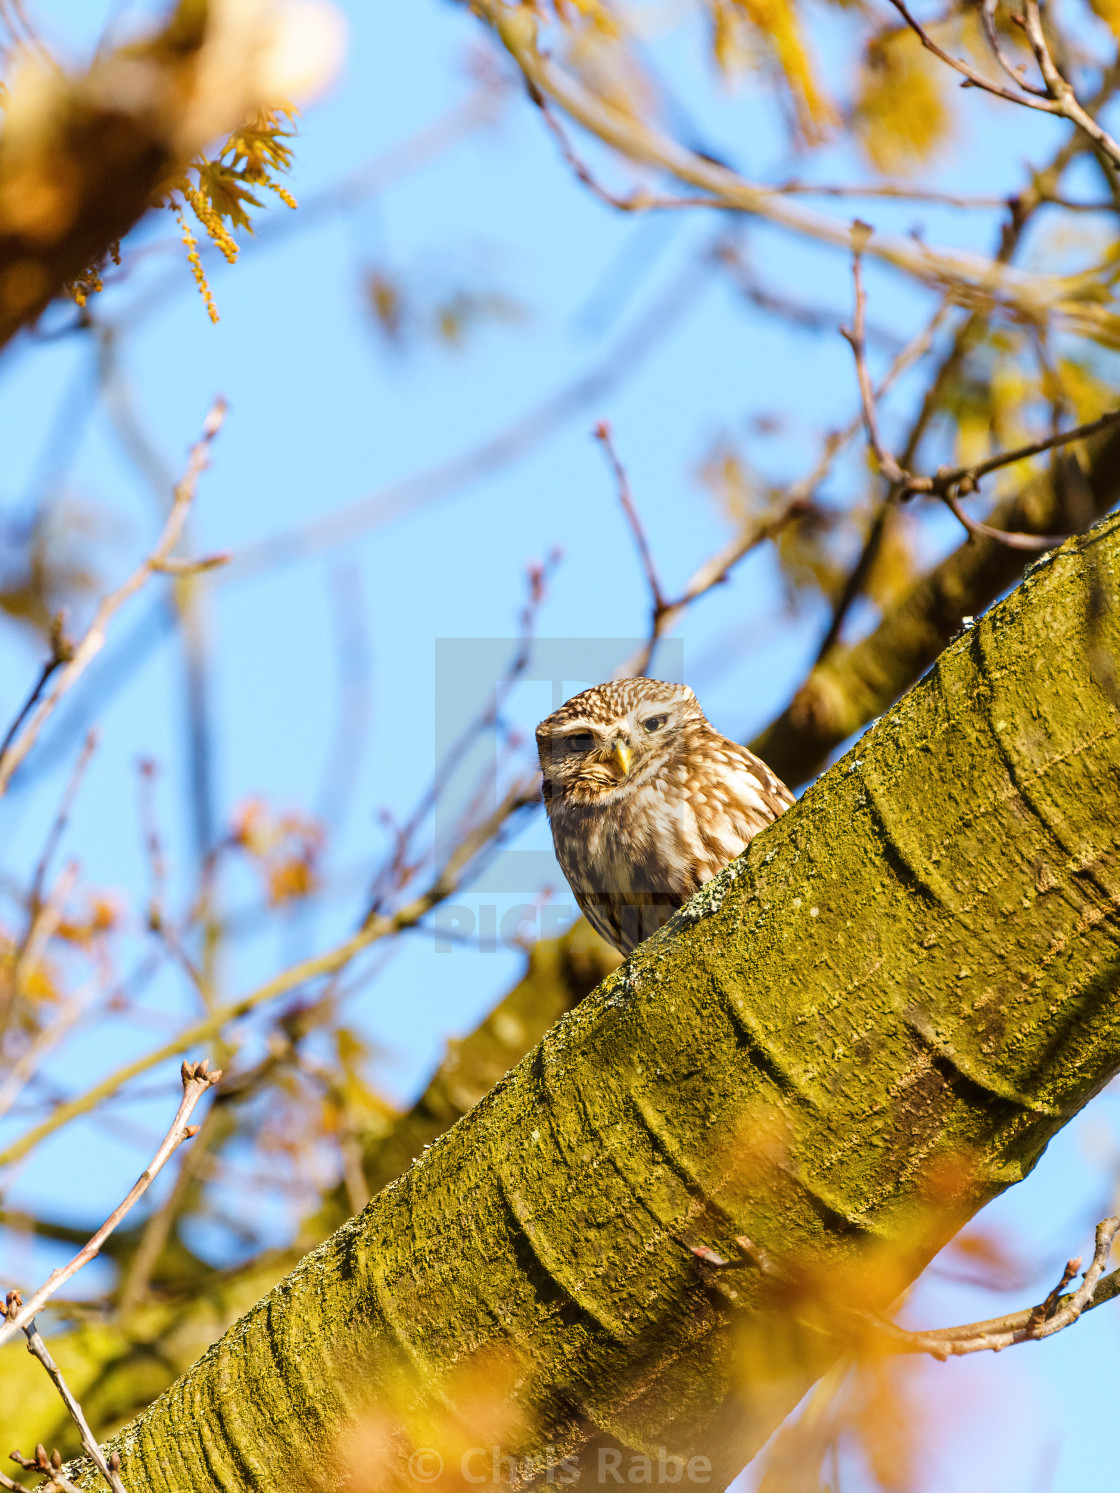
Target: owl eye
653, 723
579, 741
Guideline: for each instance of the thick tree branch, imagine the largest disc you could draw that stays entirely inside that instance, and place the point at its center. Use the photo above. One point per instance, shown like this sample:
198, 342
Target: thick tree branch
845, 1045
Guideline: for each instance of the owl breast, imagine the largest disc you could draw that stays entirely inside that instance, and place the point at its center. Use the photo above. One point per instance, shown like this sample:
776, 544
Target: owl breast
633, 862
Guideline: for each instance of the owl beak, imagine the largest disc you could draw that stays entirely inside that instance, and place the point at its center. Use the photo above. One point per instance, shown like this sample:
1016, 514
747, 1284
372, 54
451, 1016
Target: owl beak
622, 754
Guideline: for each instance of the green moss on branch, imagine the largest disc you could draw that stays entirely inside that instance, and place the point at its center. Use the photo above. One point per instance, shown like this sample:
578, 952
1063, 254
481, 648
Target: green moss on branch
859, 1034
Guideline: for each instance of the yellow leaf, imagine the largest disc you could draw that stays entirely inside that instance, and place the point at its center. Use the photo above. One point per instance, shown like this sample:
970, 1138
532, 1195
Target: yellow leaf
1109, 12
775, 26
900, 114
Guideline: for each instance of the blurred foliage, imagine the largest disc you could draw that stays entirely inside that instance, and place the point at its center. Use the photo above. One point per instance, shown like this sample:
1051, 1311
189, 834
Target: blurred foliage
301, 1118
414, 309
900, 114
47, 562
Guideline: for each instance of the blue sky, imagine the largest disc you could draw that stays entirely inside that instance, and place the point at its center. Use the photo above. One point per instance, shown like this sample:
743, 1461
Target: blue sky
323, 413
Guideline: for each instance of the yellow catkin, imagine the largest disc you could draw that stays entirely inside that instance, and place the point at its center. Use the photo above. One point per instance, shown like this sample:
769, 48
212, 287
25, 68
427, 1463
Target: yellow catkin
195, 259
284, 195
212, 223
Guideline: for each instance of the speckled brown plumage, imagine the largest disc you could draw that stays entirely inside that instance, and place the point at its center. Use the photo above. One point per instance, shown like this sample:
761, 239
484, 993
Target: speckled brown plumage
647, 801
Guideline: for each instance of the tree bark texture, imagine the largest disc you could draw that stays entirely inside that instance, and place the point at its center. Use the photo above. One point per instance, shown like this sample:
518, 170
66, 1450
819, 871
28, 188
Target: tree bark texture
856, 1036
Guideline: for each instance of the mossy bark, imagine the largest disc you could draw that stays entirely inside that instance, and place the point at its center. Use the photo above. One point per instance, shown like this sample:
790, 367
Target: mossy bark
117, 1368
860, 1033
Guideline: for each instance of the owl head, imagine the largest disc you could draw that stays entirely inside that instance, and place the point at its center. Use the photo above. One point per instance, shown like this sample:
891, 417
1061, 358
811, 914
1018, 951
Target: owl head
611, 738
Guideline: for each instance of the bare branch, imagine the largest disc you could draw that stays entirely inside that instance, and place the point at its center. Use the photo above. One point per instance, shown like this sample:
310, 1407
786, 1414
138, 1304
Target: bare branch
1065, 100
985, 531
949, 483
988, 14
62, 651
861, 232
50, 1467
197, 1079
971, 276
1057, 97
90, 1444
602, 434
901, 192
965, 478
1049, 1316
94, 639
192, 567
977, 79
521, 795
638, 201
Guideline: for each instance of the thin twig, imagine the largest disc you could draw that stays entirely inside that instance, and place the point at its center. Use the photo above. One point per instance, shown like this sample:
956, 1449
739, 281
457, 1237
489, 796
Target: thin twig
977, 79
666, 612
401, 867
62, 818
602, 434
1015, 541
444, 885
1057, 97
192, 567
948, 483
637, 201
965, 478
1015, 73
62, 651
798, 503
854, 335
94, 639
1048, 1317
50, 1467
970, 275
197, 1079
90, 1444
1065, 100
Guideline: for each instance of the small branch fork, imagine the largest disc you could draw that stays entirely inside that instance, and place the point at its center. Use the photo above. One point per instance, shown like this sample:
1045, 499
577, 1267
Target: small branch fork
1055, 97
50, 1467
109, 1469
1052, 1315
666, 611
197, 1079
949, 484
72, 659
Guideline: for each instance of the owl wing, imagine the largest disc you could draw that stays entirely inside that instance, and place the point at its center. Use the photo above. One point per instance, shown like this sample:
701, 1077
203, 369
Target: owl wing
732, 795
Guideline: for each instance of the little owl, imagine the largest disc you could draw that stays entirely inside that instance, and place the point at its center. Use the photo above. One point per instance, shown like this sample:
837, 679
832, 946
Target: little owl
647, 801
